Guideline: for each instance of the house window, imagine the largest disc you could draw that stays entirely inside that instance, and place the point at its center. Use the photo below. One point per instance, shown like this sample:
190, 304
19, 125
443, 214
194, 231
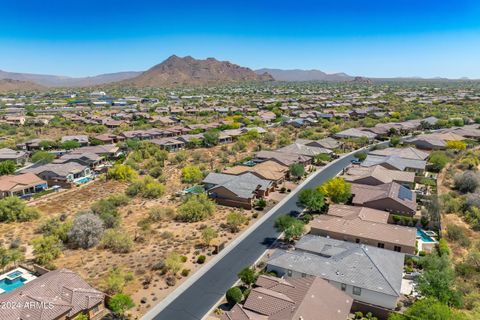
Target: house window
381, 245
397, 248
357, 291
289, 273
95, 309
343, 287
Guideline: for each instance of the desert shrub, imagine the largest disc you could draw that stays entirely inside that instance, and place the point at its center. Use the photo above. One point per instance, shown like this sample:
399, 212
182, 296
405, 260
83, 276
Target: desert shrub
438, 160
196, 208
158, 213
443, 247
86, 232
121, 172
201, 259
191, 174
185, 272
56, 227
466, 182
173, 262
13, 209
107, 211
148, 188
46, 249
116, 280
208, 234
235, 220
117, 241
120, 303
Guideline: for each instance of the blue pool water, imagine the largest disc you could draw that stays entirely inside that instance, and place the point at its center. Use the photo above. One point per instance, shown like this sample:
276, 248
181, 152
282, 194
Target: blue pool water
9, 285
14, 274
83, 180
423, 236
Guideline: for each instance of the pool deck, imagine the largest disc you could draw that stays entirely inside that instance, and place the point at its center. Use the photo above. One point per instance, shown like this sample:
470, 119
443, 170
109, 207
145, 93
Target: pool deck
25, 274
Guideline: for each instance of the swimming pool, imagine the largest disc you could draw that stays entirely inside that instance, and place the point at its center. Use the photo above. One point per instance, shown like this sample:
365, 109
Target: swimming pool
9, 285
423, 236
13, 275
83, 180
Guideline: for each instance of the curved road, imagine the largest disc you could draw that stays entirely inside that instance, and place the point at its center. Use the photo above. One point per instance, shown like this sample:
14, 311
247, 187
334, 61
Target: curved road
206, 291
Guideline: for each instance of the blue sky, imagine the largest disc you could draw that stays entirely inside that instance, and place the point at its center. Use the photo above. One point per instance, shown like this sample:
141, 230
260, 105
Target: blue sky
360, 37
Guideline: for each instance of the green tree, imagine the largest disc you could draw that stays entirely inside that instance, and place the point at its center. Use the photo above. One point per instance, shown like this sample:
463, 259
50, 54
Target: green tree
427, 309
42, 157
313, 200
437, 279
14, 209
290, 226
208, 235
248, 276
438, 160
46, 249
120, 303
196, 208
211, 138
234, 295
395, 141
4, 257
296, 170
191, 174
337, 189
70, 144
7, 167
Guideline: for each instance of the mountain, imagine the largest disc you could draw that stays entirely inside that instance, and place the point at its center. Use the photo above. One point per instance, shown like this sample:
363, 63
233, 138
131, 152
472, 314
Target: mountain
62, 81
187, 71
8, 85
304, 75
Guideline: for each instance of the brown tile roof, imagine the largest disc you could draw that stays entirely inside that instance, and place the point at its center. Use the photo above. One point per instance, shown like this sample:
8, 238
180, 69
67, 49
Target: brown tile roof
25, 180
379, 173
364, 194
293, 299
269, 170
364, 228
64, 289
407, 153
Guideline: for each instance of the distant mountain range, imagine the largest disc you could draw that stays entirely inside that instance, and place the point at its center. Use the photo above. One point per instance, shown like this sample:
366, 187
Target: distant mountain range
62, 81
8, 85
305, 75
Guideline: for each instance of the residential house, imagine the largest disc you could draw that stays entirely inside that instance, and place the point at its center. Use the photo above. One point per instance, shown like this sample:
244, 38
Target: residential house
21, 185
434, 141
82, 139
356, 133
407, 153
304, 150
268, 170
109, 151
377, 174
395, 163
109, 138
364, 225
236, 190
62, 174
292, 299
63, 294
391, 197
19, 157
370, 275
169, 144
286, 159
